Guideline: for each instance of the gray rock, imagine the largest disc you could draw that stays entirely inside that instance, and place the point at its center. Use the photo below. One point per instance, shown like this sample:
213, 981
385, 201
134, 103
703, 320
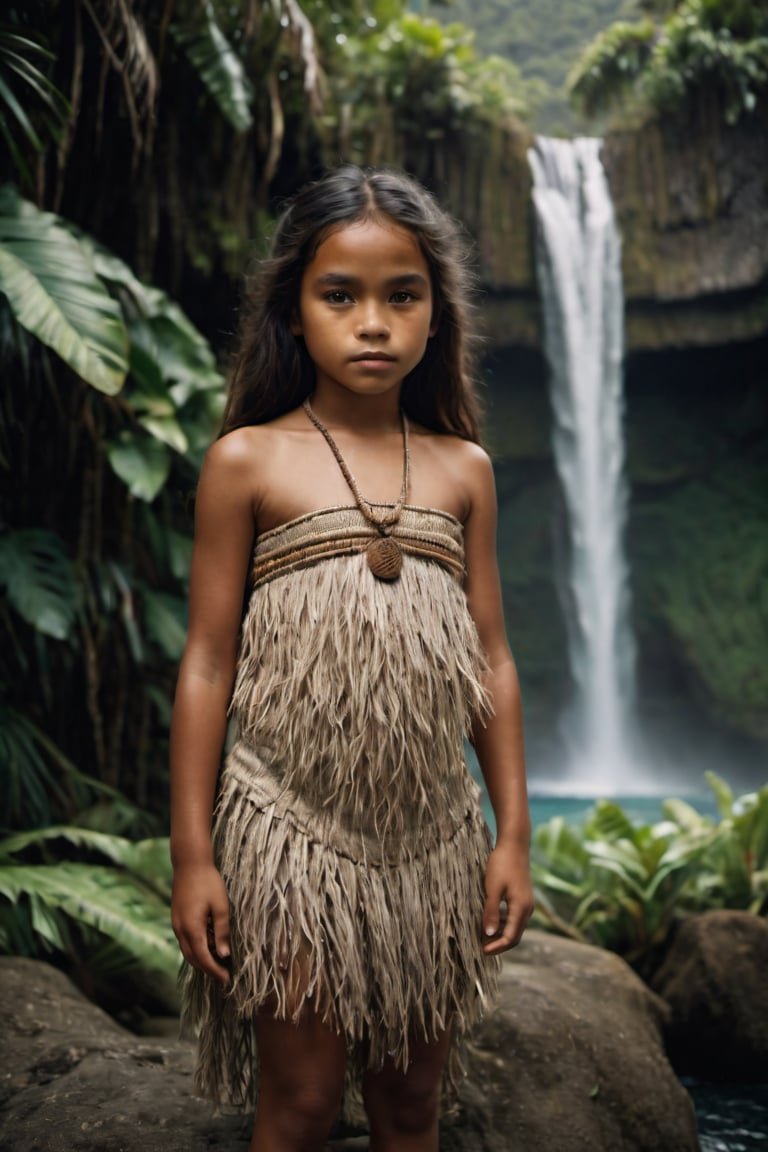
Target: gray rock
715, 980
572, 1058
71, 1078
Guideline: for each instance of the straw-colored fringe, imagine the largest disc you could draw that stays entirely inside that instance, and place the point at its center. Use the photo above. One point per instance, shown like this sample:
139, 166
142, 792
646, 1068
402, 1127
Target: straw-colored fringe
388, 953
348, 830
362, 691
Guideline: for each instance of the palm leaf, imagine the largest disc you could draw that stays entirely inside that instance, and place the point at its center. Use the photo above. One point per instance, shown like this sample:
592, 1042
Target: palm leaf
23, 86
148, 860
216, 63
27, 784
54, 293
39, 581
105, 899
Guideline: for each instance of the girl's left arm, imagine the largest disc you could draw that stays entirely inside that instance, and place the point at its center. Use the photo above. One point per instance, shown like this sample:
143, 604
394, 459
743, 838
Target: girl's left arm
498, 738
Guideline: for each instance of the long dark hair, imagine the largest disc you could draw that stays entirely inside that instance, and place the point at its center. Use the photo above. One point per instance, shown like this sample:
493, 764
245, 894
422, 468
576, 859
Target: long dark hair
273, 372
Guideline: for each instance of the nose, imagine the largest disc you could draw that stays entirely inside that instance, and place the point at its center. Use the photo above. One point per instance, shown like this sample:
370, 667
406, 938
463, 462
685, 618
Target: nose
372, 322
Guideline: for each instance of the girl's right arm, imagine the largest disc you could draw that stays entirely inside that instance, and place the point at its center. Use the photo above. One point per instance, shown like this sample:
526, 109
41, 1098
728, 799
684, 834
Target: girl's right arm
224, 530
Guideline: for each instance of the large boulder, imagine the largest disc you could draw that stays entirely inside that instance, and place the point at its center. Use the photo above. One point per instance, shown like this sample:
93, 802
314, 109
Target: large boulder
571, 1058
72, 1080
715, 980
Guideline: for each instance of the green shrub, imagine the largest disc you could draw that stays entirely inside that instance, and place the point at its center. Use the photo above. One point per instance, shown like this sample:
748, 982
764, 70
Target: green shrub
623, 886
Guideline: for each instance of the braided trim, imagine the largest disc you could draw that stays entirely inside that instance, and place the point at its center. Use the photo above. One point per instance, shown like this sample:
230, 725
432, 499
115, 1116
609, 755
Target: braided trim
293, 558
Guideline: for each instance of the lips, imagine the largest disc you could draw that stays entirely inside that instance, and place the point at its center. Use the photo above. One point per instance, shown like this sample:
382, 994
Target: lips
373, 356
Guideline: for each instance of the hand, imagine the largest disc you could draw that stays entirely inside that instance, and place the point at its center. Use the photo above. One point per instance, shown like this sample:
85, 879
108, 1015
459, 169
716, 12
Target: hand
507, 879
200, 918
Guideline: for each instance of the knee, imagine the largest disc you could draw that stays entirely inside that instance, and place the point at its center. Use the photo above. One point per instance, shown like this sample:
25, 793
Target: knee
406, 1108
307, 1106
417, 1108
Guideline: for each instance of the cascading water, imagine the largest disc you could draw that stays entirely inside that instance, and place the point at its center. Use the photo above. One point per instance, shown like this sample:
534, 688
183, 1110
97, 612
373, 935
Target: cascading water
579, 272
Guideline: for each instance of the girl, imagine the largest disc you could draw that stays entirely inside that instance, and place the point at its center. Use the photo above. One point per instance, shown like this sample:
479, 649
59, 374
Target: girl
349, 917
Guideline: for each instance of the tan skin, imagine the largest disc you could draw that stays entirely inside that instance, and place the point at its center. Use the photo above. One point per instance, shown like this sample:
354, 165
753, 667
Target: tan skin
367, 290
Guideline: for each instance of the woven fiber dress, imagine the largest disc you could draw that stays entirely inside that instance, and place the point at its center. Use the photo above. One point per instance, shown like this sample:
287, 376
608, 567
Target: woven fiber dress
348, 829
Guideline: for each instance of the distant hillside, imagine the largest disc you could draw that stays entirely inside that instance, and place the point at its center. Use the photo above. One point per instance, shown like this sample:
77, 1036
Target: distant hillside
543, 37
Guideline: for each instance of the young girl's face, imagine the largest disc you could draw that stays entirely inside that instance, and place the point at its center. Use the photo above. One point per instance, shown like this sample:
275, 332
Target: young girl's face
366, 307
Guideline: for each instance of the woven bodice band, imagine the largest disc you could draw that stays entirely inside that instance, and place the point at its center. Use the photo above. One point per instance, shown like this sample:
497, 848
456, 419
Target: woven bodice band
423, 533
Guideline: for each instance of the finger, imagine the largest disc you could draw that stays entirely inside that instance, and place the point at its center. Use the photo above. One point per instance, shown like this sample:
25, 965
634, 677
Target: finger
197, 952
512, 931
219, 924
492, 911
492, 908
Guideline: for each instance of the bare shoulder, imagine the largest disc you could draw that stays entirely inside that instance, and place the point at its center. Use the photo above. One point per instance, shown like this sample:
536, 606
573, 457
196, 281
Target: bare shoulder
465, 454
249, 466
466, 462
472, 457
236, 451
243, 457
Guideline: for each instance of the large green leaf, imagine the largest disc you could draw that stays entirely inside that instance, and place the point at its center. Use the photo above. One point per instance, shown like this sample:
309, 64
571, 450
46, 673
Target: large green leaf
141, 463
148, 860
39, 581
216, 63
166, 348
103, 898
53, 291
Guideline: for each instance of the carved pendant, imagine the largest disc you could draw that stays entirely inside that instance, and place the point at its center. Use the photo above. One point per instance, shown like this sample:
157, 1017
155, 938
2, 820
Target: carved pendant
384, 558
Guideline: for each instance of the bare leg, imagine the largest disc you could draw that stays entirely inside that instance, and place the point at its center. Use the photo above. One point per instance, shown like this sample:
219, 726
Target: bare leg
300, 1084
403, 1107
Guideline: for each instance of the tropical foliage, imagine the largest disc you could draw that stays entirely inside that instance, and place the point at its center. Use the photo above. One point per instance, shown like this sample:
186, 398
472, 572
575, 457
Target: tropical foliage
623, 885
93, 901
27, 95
702, 50
93, 558
416, 77
110, 393
543, 40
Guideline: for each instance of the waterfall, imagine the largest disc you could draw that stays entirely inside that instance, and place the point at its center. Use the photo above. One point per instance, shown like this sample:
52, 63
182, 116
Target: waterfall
579, 272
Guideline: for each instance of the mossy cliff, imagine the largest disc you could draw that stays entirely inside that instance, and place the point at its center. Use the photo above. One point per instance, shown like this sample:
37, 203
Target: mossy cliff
692, 208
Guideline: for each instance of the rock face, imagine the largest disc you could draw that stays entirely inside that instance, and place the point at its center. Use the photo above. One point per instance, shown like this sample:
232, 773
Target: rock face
714, 980
72, 1079
692, 206
571, 1059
